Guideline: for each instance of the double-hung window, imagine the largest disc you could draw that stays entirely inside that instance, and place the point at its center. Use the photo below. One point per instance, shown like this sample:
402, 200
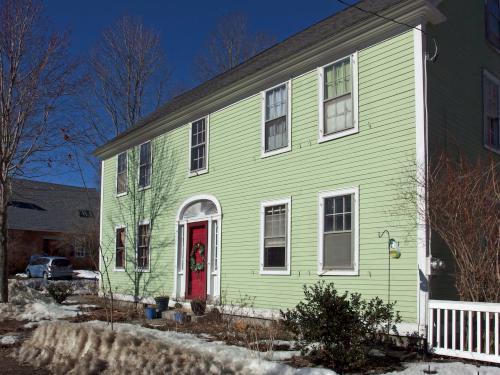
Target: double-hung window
198, 150
275, 237
143, 243
145, 163
120, 248
493, 22
121, 174
338, 232
338, 99
491, 99
276, 120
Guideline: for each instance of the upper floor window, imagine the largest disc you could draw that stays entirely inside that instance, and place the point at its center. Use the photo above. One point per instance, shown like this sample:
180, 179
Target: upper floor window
338, 99
145, 165
493, 22
198, 147
338, 232
275, 237
121, 174
276, 120
491, 98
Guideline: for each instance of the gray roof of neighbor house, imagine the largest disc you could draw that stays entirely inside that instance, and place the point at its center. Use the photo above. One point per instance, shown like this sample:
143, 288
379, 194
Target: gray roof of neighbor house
42, 206
281, 51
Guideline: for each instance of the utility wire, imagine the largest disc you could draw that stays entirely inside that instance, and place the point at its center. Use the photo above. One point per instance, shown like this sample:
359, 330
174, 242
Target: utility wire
381, 16
429, 58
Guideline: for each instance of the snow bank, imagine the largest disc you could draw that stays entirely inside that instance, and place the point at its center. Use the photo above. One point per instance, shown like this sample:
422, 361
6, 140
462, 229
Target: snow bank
29, 301
22, 275
72, 348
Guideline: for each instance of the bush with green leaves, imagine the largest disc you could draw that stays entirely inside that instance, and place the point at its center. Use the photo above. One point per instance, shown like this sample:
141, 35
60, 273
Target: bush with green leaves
338, 329
60, 291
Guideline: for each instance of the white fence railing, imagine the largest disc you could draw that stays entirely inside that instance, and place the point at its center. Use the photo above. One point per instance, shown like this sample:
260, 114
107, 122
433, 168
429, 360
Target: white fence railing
465, 329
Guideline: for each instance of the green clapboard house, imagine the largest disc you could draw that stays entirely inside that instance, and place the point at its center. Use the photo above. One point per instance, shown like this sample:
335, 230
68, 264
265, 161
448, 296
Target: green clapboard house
284, 170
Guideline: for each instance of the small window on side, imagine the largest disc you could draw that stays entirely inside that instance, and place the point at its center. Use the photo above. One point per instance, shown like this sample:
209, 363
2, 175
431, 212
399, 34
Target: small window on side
276, 120
145, 163
121, 174
198, 150
491, 112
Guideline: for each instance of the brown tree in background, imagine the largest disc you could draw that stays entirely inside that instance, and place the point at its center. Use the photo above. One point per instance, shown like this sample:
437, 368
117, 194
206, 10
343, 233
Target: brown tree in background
128, 77
229, 44
35, 78
464, 209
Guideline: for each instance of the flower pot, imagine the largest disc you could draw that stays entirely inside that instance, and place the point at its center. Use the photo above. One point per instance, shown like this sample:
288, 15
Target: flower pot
150, 313
162, 303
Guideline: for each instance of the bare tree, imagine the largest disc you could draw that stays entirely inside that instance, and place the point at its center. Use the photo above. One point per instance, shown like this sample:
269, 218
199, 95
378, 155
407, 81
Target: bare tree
229, 44
464, 210
149, 194
35, 76
128, 75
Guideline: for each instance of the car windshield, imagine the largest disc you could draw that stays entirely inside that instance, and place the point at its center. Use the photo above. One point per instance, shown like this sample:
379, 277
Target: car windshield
60, 263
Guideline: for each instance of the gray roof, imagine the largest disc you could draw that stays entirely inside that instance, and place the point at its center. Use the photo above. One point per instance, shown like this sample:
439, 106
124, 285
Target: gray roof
283, 50
42, 206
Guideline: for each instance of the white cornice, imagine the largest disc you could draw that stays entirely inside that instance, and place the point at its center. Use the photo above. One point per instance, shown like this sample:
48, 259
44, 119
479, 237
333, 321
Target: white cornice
356, 37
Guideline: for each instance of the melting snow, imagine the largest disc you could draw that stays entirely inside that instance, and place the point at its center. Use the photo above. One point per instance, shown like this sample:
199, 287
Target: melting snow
86, 274
8, 340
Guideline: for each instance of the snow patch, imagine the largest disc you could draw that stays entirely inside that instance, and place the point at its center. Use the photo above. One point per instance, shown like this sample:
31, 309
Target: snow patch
8, 340
22, 275
86, 274
447, 368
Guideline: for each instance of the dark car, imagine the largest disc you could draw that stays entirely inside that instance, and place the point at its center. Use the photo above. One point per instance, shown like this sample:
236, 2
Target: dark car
49, 267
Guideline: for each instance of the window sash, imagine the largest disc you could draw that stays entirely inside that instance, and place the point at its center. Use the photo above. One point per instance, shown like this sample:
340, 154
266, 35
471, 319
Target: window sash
338, 232
491, 112
198, 145
120, 248
493, 22
145, 165
143, 246
337, 97
121, 174
275, 236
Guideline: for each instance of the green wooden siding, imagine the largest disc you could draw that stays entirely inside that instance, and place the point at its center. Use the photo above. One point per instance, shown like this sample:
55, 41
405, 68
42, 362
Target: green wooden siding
375, 159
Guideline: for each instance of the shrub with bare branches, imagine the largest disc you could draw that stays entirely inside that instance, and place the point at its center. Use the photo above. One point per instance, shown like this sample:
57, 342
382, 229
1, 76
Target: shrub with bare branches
464, 210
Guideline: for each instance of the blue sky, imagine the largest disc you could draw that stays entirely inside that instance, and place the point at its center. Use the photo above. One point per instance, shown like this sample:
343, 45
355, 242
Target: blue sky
183, 25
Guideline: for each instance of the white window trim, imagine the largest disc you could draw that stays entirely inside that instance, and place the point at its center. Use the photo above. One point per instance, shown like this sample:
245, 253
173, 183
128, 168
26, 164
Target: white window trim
263, 205
355, 101
333, 193
116, 179
120, 269
207, 146
491, 77
139, 269
139, 166
265, 154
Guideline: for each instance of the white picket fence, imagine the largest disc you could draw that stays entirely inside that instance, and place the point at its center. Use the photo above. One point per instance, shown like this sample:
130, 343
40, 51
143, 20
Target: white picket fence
465, 329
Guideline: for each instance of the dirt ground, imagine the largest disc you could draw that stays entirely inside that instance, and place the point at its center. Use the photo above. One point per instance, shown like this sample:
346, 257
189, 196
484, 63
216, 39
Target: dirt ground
9, 364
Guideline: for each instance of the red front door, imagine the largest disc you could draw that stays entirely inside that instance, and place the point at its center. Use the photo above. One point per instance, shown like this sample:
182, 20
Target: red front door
197, 260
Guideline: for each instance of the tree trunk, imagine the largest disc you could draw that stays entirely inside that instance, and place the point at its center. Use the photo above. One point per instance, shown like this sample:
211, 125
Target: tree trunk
4, 291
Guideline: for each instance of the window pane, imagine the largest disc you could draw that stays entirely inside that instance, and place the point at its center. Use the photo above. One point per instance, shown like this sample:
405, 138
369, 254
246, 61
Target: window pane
215, 245
338, 114
275, 257
180, 248
275, 236
337, 79
198, 142
276, 102
276, 134
339, 222
338, 250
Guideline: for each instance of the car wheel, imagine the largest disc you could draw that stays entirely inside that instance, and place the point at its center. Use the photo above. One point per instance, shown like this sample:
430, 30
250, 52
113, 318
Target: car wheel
45, 276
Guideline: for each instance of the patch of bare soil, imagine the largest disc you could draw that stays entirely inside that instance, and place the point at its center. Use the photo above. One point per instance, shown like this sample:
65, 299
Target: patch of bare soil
7, 353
